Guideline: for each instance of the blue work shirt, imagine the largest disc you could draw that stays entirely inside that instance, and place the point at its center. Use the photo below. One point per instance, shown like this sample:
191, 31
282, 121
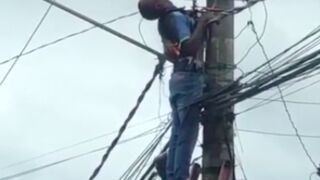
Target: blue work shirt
176, 27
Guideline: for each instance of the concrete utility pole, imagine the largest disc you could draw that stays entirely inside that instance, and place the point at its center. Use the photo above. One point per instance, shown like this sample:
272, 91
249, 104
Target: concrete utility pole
218, 152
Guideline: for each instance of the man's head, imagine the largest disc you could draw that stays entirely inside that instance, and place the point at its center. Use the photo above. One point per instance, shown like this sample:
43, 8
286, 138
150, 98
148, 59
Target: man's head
153, 9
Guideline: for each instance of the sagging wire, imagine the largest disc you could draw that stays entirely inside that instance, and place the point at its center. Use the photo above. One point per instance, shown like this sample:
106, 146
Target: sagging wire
279, 56
283, 100
43, 167
76, 144
250, 23
66, 37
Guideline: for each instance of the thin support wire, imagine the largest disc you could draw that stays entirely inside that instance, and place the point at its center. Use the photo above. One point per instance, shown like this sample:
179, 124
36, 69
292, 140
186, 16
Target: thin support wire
283, 99
26, 45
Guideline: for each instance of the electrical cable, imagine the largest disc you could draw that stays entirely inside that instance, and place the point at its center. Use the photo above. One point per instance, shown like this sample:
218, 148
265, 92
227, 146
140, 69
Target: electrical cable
289, 102
282, 98
73, 157
270, 81
26, 45
66, 37
250, 22
156, 72
237, 134
73, 145
300, 51
269, 100
241, 166
140, 31
287, 50
241, 31
160, 56
312, 174
277, 134
135, 169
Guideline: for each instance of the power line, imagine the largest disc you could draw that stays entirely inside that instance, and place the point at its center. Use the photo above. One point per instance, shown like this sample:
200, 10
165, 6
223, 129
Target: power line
134, 171
300, 51
241, 166
236, 92
74, 145
277, 134
156, 72
250, 23
237, 134
107, 29
26, 45
74, 157
269, 100
113, 132
281, 54
241, 31
282, 97
288, 101
67, 37
312, 174
140, 31
233, 11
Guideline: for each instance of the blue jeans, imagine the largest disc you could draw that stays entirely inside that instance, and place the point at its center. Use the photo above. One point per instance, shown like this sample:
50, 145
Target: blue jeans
185, 88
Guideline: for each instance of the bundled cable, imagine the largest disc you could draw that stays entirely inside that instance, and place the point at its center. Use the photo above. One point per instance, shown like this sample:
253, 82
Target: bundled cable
136, 168
156, 72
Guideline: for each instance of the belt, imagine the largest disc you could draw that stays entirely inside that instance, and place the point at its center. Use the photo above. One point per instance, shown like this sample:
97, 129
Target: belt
187, 65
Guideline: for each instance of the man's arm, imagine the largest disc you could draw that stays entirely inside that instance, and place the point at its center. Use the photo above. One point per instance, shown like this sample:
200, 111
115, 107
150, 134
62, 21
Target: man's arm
180, 29
191, 46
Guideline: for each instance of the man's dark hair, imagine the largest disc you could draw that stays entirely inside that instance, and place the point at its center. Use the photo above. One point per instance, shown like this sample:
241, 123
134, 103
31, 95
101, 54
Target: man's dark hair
147, 12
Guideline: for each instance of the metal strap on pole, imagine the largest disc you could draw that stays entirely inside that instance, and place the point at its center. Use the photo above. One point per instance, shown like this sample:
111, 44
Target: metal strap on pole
101, 26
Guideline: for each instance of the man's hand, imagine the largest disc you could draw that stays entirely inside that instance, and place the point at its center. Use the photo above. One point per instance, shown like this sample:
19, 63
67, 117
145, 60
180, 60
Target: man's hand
171, 50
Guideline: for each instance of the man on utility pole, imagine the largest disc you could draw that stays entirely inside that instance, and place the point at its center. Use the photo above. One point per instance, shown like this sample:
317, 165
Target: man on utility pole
218, 154
183, 39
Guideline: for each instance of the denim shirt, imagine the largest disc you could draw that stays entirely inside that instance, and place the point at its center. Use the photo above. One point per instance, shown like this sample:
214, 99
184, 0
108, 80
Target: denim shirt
175, 28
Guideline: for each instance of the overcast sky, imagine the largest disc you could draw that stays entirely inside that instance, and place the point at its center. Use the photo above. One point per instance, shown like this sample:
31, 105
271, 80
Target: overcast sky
86, 85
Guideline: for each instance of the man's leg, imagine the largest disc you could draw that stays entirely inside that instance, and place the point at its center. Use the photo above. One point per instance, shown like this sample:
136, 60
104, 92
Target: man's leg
185, 88
186, 141
172, 144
